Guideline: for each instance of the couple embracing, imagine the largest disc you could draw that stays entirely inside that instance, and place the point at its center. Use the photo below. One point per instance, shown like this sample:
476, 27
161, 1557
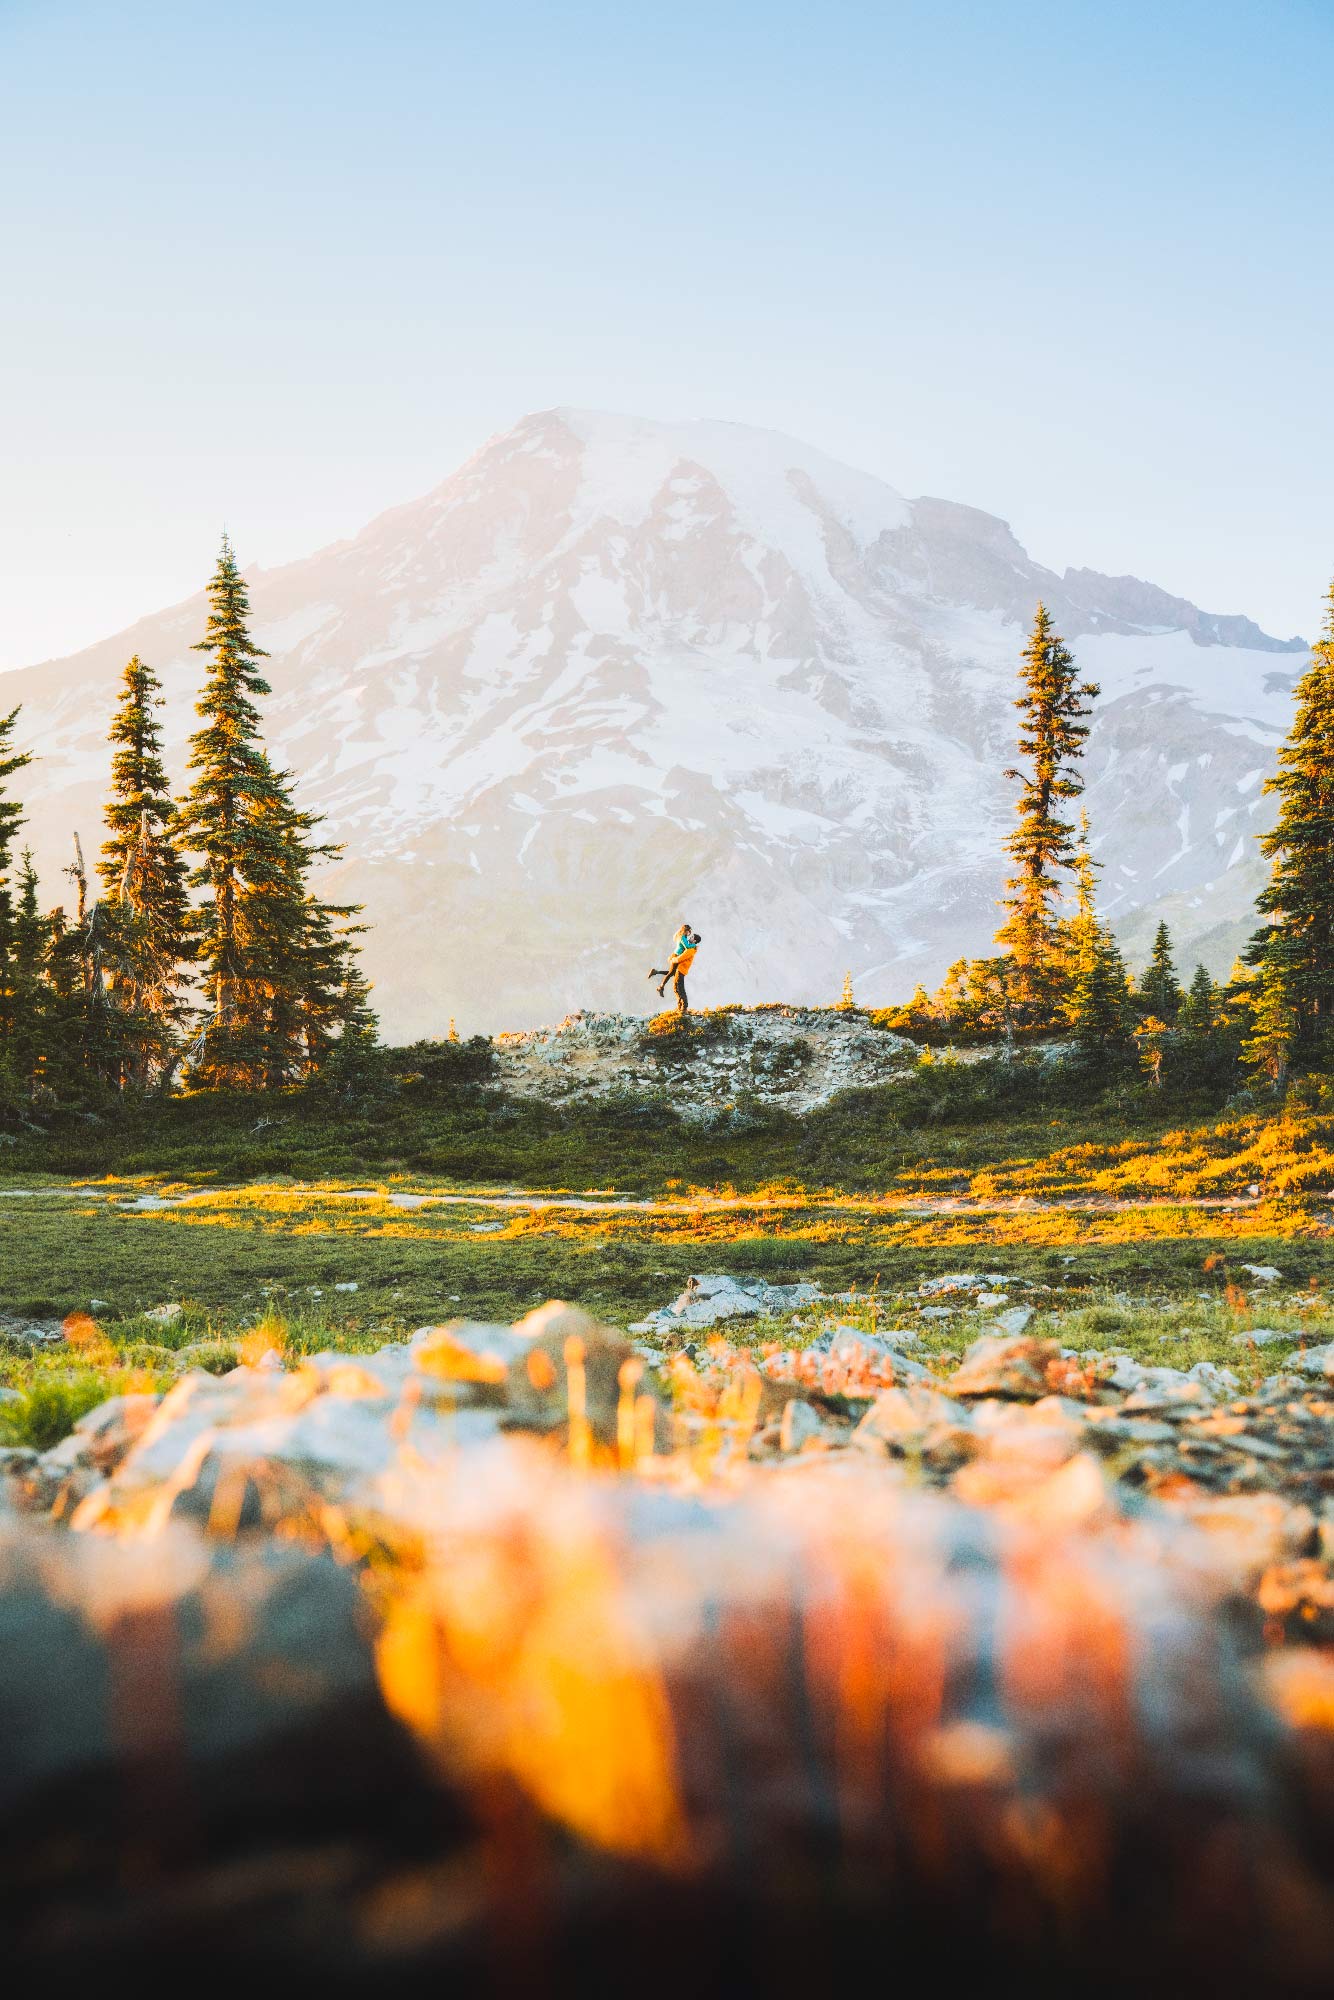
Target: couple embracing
684, 947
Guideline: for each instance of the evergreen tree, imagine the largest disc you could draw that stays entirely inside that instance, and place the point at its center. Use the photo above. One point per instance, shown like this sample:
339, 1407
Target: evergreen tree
28, 1040
311, 988
64, 1004
144, 874
1200, 1010
92, 1044
11, 819
1298, 941
1268, 1046
1052, 733
1100, 1010
232, 779
975, 997
1159, 993
1078, 935
278, 964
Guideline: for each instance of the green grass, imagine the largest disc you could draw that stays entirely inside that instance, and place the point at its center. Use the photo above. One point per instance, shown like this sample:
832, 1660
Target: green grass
232, 1256
272, 1238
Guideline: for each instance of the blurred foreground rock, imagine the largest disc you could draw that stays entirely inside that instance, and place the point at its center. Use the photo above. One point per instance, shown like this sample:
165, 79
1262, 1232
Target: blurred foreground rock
493, 1658
552, 1722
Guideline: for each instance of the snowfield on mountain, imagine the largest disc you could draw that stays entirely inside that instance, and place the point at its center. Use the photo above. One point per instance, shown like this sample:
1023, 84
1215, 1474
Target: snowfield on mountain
613, 674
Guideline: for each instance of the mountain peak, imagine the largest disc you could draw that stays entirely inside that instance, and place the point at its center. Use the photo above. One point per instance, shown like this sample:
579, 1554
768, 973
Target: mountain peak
611, 665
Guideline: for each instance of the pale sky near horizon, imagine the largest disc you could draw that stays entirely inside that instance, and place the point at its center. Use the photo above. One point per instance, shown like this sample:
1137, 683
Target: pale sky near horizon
282, 266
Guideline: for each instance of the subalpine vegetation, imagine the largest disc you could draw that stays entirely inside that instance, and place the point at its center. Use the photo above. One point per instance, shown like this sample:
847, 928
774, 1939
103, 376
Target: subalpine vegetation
1059, 975
201, 957
204, 961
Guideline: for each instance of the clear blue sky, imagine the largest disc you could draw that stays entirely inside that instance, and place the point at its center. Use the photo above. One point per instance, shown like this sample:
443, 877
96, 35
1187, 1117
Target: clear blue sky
281, 265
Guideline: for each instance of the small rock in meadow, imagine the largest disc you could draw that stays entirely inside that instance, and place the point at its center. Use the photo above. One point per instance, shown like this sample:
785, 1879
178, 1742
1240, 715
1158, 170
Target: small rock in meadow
936, 1312
166, 1315
1014, 1321
1110, 1431
485, 1228
1165, 1397
1264, 1274
1155, 1388
712, 1297
954, 1281
799, 1425
845, 1343
1000, 1365
1277, 1388
350, 1286
1318, 1361
988, 1299
1220, 1380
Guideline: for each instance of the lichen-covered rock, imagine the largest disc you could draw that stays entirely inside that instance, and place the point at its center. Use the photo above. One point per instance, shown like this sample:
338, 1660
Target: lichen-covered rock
713, 1298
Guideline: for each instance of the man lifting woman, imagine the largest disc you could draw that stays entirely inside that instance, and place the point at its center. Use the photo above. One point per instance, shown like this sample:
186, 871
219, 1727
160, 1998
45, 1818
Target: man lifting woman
684, 947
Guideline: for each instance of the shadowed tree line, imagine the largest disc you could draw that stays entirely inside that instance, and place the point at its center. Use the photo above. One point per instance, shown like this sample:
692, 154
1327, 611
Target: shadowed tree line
201, 956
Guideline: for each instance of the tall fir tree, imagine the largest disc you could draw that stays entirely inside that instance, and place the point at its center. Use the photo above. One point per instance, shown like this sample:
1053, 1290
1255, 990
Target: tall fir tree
147, 915
1052, 733
1298, 941
11, 819
232, 778
278, 965
1158, 995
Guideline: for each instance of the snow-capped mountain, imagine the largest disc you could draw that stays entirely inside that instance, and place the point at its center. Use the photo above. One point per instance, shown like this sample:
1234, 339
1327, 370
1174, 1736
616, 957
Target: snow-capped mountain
613, 673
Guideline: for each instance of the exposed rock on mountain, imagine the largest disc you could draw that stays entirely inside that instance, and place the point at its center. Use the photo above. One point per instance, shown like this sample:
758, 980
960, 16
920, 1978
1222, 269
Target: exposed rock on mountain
615, 673
793, 1056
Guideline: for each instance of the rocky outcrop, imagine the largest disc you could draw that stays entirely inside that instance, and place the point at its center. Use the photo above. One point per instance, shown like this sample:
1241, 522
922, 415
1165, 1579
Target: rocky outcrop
797, 1057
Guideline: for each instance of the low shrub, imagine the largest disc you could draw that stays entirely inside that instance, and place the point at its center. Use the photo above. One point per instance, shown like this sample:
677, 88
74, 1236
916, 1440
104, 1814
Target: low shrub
51, 1407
